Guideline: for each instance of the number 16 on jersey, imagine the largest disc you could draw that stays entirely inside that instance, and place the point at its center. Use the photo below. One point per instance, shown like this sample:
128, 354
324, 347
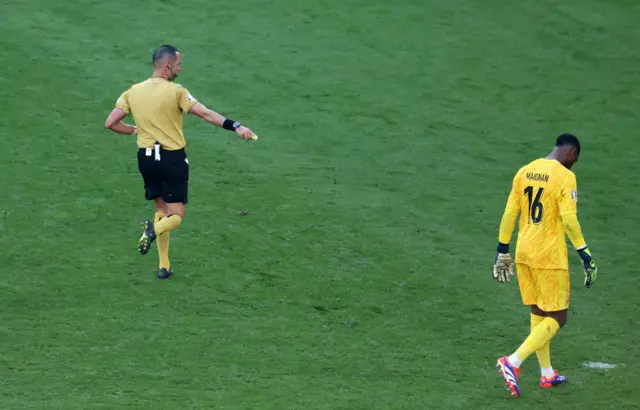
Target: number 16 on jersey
535, 210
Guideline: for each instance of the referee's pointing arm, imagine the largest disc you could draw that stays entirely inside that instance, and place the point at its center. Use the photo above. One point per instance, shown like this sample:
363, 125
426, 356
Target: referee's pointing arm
218, 120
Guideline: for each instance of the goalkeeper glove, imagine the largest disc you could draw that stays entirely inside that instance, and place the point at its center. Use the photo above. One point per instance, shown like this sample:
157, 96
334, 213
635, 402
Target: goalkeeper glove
503, 265
589, 267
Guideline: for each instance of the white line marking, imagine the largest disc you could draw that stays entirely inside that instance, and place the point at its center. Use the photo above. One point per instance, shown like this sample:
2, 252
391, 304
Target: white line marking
600, 365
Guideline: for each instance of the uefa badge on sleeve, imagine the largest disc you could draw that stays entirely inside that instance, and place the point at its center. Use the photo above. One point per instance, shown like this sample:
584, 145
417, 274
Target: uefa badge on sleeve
574, 194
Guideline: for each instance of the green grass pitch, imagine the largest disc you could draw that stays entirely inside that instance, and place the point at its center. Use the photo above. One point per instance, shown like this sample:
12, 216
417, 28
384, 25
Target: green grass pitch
360, 278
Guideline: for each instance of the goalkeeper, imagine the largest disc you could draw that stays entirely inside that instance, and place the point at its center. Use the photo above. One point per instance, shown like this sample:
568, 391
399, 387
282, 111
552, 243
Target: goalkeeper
544, 193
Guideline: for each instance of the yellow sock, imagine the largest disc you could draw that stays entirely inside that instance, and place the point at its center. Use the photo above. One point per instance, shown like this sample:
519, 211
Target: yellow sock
536, 320
544, 355
163, 250
157, 217
163, 243
167, 224
540, 335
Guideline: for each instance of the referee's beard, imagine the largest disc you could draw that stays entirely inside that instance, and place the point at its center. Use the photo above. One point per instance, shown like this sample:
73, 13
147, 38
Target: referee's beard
173, 75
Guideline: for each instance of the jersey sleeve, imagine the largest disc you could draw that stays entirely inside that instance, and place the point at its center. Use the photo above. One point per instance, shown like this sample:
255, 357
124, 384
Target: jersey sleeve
568, 206
123, 102
507, 224
185, 99
568, 201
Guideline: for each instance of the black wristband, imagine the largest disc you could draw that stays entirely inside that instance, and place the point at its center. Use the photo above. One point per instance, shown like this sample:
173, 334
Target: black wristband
503, 247
230, 125
584, 254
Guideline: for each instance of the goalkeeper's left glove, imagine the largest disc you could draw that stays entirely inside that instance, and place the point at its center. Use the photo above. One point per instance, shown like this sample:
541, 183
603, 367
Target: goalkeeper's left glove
588, 266
503, 265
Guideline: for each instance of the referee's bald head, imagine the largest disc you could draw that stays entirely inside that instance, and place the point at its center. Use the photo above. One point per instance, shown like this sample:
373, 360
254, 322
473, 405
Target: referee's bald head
163, 53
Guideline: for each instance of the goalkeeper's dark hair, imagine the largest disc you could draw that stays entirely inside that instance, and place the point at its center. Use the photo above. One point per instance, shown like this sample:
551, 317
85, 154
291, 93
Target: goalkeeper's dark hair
568, 139
164, 51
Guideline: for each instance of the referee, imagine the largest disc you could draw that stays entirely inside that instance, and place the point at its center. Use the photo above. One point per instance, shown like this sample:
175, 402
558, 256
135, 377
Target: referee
157, 105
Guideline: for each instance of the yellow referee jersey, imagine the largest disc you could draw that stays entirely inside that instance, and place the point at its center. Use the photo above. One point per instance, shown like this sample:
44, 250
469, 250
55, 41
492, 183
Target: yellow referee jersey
157, 106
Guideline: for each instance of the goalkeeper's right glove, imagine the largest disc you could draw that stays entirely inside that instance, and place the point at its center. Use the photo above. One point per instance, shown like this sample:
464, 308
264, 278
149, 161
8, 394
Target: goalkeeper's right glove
588, 266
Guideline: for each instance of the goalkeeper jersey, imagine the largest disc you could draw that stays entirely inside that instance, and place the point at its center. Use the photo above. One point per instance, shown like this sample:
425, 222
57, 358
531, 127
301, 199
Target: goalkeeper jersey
544, 192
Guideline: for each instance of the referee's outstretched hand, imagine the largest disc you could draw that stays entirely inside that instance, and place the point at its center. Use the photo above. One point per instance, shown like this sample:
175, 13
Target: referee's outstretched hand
244, 133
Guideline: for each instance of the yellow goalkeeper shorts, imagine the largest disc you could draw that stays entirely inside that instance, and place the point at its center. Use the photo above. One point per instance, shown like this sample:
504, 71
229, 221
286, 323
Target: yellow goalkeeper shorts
547, 288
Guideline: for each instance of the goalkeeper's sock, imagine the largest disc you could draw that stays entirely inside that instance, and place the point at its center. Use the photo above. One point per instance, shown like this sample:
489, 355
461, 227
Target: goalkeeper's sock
547, 372
539, 336
515, 360
544, 356
167, 224
536, 320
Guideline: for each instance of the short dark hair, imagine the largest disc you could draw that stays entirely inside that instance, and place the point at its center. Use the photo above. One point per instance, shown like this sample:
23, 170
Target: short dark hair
164, 51
568, 139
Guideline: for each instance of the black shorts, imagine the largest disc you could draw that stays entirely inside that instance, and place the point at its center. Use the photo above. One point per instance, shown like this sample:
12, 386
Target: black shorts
167, 178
